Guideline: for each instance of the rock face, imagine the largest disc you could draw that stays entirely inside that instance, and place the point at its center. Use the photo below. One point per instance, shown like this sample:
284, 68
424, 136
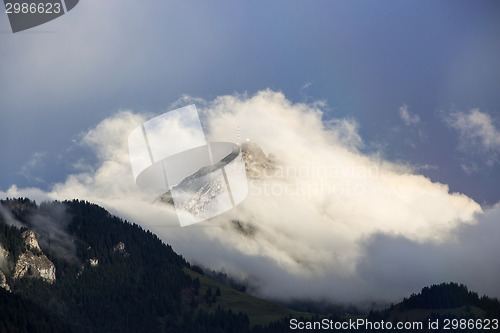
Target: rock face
32, 263
257, 164
3, 255
203, 200
3, 282
37, 266
3, 264
30, 241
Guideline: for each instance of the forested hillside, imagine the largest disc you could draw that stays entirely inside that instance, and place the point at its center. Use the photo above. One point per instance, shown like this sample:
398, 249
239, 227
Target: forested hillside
111, 276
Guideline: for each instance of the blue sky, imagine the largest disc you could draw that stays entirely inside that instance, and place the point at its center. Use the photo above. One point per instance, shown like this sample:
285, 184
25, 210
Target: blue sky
364, 59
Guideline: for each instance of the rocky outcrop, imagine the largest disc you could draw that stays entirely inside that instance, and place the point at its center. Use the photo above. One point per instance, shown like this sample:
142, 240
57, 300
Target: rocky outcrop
37, 266
32, 263
30, 241
3, 282
3, 255
120, 248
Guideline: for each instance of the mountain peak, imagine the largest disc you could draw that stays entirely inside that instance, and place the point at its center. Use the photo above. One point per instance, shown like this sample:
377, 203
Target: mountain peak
255, 162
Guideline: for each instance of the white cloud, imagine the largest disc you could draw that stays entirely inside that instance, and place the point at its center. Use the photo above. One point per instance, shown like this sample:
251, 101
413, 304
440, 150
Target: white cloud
34, 163
427, 167
30, 192
469, 168
477, 133
308, 242
408, 118
305, 86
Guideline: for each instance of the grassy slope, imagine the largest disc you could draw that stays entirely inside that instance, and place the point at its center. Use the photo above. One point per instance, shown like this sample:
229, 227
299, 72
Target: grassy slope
258, 310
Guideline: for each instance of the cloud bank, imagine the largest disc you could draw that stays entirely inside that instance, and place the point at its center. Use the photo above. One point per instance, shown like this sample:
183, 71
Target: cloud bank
329, 223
